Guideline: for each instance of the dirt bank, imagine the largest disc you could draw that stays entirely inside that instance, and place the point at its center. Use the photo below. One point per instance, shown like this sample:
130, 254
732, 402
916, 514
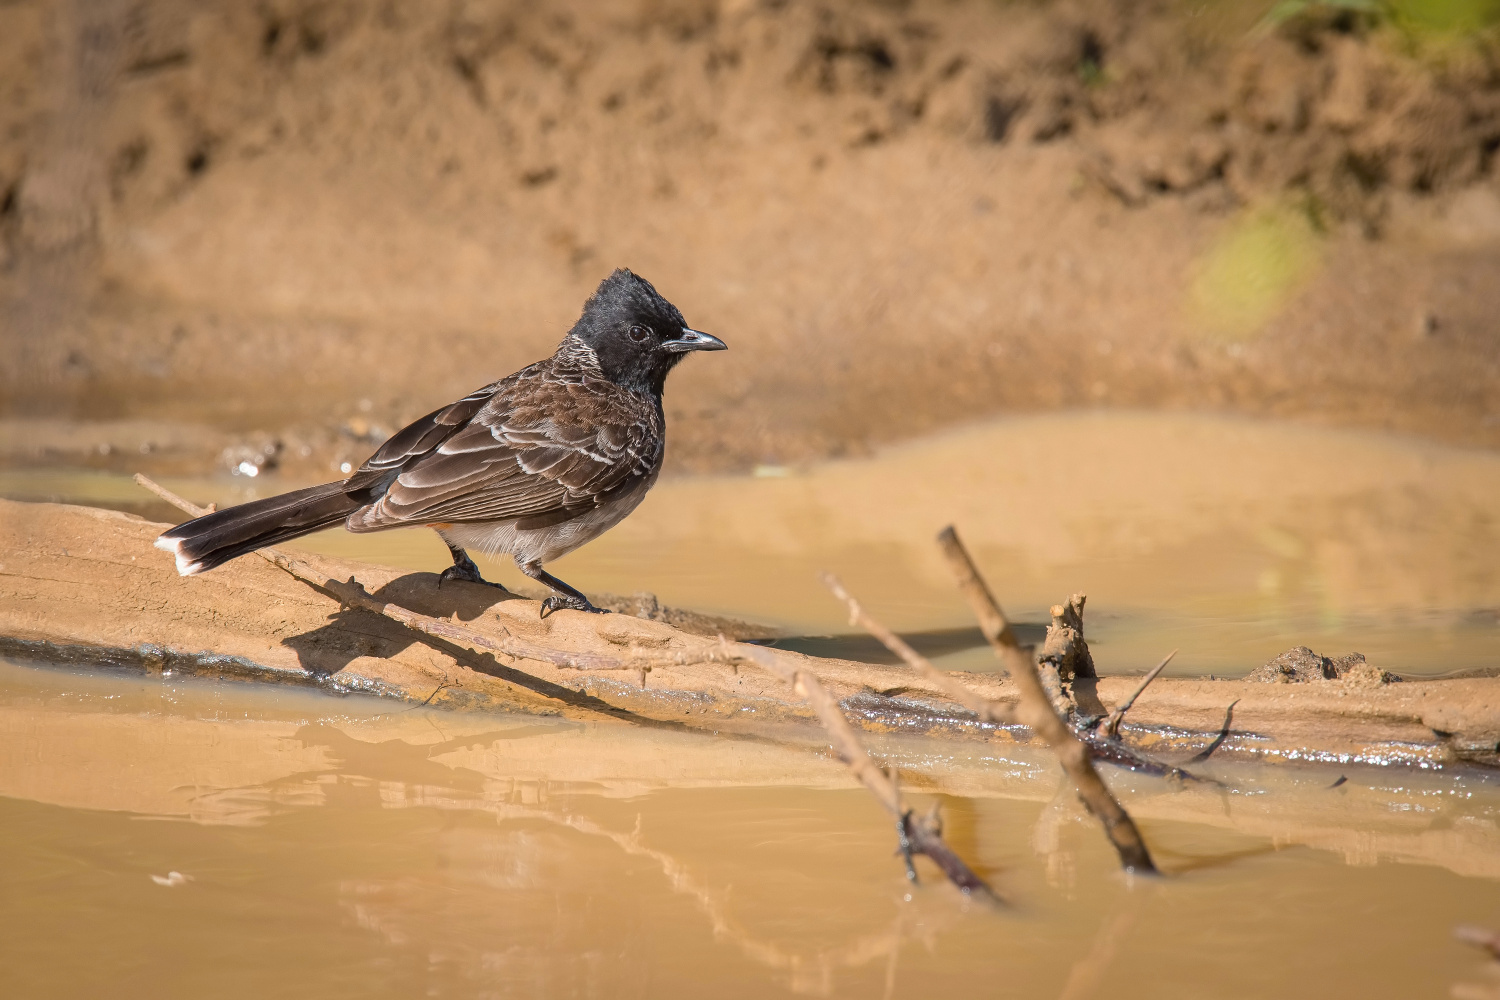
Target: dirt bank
84, 586
316, 220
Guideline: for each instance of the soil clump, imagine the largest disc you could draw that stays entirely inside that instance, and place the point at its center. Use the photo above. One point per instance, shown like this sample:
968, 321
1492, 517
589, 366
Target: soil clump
1300, 665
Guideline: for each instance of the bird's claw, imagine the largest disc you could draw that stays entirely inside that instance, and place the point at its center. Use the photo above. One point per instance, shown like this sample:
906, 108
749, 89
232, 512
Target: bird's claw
559, 601
465, 571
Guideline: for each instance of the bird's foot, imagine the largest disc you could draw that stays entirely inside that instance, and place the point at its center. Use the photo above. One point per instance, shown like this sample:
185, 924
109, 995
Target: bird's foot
466, 571
558, 601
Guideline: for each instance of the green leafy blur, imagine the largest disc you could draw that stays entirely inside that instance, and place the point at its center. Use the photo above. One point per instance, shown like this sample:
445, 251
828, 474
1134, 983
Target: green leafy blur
1253, 269
1421, 19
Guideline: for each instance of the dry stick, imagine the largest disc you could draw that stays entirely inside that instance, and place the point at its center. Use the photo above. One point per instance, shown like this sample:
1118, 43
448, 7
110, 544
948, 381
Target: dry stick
986, 709
1479, 937
1219, 739
1105, 748
1110, 727
1035, 711
351, 594
992, 620
916, 834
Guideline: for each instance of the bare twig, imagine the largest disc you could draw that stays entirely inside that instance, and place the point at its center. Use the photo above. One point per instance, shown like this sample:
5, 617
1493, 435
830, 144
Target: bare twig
992, 620
352, 594
186, 506
915, 834
1208, 751
1479, 937
428, 700
997, 630
989, 711
1113, 751
1035, 711
1110, 727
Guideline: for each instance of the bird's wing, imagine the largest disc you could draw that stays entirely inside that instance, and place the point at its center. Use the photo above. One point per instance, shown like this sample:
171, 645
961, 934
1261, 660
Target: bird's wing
422, 437
535, 449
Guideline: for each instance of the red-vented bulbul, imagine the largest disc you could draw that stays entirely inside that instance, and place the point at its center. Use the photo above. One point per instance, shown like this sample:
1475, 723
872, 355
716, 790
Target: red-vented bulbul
533, 465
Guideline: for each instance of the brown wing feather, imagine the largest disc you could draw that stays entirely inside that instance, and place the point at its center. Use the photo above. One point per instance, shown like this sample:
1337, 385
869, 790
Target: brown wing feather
420, 438
538, 445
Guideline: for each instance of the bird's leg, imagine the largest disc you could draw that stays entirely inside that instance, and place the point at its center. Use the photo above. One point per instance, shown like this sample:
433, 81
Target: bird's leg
463, 567
563, 595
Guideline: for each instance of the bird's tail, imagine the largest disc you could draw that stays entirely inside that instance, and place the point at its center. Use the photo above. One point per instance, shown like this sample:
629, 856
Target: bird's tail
214, 539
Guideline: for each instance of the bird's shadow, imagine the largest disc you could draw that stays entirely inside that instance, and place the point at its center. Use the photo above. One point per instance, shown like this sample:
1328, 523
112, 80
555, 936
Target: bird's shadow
352, 633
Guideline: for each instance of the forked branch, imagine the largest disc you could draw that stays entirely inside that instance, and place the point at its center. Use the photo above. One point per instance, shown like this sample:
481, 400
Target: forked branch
992, 621
989, 711
1035, 711
915, 834
1480, 937
1110, 727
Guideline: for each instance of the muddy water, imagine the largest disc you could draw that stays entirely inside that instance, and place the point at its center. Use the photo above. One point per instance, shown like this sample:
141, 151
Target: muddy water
347, 848
1231, 540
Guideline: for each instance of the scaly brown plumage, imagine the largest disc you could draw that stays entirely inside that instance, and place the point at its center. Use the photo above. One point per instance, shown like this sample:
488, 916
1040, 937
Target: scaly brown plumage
533, 465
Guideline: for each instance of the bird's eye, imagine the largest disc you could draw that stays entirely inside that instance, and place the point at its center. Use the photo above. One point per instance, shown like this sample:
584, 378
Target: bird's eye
638, 333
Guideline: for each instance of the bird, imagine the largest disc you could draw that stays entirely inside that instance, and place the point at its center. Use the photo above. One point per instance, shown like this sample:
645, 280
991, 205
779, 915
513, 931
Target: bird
533, 465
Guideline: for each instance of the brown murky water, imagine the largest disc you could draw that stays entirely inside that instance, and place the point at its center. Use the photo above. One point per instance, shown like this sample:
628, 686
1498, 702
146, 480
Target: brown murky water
332, 848
1229, 539
186, 838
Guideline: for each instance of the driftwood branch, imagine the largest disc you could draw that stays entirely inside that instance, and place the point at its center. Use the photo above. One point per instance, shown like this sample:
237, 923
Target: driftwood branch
996, 628
992, 621
915, 834
1218, 740
1110, 727
987, 710
351, 594
1035, 711
1480, 937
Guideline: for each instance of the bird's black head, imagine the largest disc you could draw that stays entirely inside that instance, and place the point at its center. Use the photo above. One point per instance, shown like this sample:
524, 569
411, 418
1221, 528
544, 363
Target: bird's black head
637, 335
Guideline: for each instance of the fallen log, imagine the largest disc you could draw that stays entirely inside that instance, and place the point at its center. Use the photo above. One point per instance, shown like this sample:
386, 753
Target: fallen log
83, 586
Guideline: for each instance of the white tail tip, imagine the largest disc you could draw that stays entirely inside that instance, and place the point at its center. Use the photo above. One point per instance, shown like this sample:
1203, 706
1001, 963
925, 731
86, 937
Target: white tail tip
185, 567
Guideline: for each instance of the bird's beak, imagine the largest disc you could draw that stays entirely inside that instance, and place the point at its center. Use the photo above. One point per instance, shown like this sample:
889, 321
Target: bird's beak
692, 340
